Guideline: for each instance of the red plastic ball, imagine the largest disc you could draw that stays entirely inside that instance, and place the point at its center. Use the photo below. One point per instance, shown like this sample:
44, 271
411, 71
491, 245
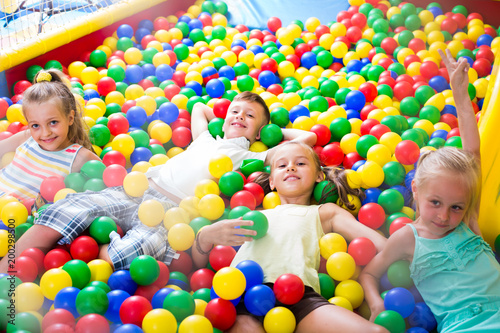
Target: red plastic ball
407, 152
58, 316
160, 23
243, 198
343, 15
50, 186
162, 279
147, 291
403, 89
482, 67
206, 19
321, 30
367, 125
372, 215
171, 90
294, 59
56, 258
275, 89
59, 328
369, 90
173, 57
241, 28
257, 34
146, 83
220, 107
468, 44
359, 20
269, 64
179, 77
181, 136
411, 59
37, 255
84, 248
486, 53
256, 190
323, 134
453, 132
399, 223
113, 175
379, 130
350, 159
449, 25
429, 69
473, 16
460, 19
288, 289
365, 111
354, 34
221, 313
21, 86
118, 125
332, 155
416, 44
449, 119
128, 104
388, 44
106, 85
221, 256
92, 323
386, 79
114, 157
25, 268
134, 309
301, 49
180, 122
183, 264
202, 278
362, 250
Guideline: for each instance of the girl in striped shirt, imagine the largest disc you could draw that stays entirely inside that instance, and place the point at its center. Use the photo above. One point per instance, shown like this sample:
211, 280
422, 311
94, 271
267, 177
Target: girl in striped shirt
55, 142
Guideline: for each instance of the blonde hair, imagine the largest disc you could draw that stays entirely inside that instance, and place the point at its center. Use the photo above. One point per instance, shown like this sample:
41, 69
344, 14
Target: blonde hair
433, 164
52, 85
336, 177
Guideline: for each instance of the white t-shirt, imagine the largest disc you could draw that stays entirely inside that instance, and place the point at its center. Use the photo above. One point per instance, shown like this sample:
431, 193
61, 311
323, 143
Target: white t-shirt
182, 172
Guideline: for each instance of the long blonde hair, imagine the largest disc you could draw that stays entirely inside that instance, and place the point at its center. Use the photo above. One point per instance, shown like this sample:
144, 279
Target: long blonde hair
52, 85
433, 164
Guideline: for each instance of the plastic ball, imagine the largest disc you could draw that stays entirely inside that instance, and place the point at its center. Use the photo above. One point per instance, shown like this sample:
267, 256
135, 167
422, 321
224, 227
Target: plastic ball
279, 319
331, 243
221, 256
151, 212
135, 184
84, 248
53, 281
49, 187
362, 250
219, 165
400, 300
134, 309
181, 237
229, 283
260, 223
144, 270
15, 213
100, 229
391, 320
372, 215
221, 313
159, 320
180, 303
288, 289
340, 266
399, 274
28, 296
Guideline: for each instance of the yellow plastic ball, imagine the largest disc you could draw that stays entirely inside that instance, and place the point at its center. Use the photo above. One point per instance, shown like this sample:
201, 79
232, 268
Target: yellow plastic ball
352, 291
339, 49
151, 212
331, 243
176, 215
219, 165
180, 237
123, 143
196, 323
100, 270
279, 320
390, 140
341, 301
211, 206
62, 193
28, 297
115, 97
312, 23
14, 213
159, 321
271, 200
348, 143
134, 91
229, 283
4, 242
135, 184
161, 132
15, 113
132, 56
340, 266
379, 154
286, 69
206, 186
372, 174
53, 281
75, 69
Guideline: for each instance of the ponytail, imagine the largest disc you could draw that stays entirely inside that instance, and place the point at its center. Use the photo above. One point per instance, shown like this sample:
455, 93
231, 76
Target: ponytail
339, 185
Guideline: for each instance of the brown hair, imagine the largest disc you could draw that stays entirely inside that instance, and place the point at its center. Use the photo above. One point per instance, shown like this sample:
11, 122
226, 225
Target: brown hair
433, 164
335, 176
52, 85
253, 97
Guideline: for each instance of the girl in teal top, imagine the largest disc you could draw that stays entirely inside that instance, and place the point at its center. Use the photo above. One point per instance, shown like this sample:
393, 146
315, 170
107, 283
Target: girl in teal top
453, 268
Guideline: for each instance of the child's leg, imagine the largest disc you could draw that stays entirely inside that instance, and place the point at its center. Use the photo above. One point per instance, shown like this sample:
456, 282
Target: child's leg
326, 317
38, 236
246, 324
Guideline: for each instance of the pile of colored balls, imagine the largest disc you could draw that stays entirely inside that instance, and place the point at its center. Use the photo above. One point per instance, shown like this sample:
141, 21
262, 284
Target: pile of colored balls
370, 84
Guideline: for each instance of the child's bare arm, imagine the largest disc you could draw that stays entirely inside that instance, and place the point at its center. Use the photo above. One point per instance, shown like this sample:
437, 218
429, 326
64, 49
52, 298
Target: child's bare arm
84, 155
10, 144
200, 117
225, 232
290, 134
398, 247
339, 220
459, 79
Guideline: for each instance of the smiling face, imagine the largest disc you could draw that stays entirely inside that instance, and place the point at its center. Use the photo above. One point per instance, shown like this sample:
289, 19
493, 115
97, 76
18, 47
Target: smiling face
48, 125
294, 173
442, 204
245, 119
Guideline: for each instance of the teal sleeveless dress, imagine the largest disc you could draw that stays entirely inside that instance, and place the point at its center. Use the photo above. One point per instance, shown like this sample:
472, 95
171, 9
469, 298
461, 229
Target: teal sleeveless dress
459, 279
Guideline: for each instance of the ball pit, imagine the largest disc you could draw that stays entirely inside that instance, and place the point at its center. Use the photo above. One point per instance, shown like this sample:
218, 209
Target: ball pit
371, 86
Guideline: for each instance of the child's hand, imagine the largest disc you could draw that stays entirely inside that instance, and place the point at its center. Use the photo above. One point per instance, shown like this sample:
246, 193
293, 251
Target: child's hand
457, 70
228, 232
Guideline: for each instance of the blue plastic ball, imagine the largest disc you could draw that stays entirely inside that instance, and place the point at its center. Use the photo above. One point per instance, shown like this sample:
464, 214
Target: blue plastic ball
400, 300
308, 60
115, 299
196, 86
66, 299
146, 24
136, 116
354, 66
436, 11
121, 280
227, 71
134, 73
259, 299
168, 112
256, 49
267, 78
252, 271
439, 83
484, 40
148, 70
450, 109
298, 111
159, 297
239, 42
140, 154
128, 328
356, 165
88, 94
140, 33
215, 88
164, 72
355, 100
371, 195
422, 317
125, 30
439, 134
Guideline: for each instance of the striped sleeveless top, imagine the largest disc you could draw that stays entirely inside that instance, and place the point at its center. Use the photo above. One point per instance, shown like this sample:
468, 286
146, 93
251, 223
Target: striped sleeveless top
23, 177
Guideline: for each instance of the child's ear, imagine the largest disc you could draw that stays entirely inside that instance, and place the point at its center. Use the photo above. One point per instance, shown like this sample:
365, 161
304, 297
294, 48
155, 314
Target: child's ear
258, 134
321, 177
414, 190
271, 184
71, 117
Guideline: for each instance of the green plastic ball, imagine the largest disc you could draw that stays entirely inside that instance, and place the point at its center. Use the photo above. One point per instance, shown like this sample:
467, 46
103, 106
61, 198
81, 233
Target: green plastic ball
409, 106
144, 270
79, 272
271, 135
398, 274
101, 227
230, 183
325, 189
99, 135
32, 71
423, 93
280, 117
431, 113
326, 285
454, 141
93, 169
215, 127
98, 58
392, 321
238, 212
260, 223
180, 303
124, 43
53, 64
364, 143
75, 181
394, 173
391, 200
182, 51
199, 222
94, 184
91, 300
338, 128
245, 83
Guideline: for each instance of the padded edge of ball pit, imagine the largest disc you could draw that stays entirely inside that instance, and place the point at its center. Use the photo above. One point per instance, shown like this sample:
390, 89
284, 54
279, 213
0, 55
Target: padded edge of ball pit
489, 211
255, 13
81, 27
